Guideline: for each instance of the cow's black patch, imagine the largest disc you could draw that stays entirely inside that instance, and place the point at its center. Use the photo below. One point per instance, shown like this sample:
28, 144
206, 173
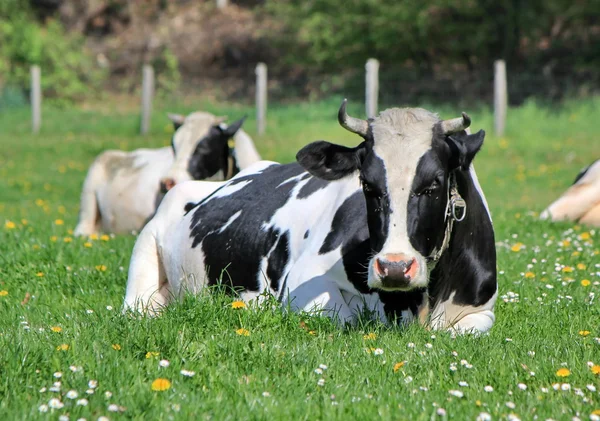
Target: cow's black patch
312, 185
468, 267
306, 234
348, 219
278, 259
236, 253
373, 177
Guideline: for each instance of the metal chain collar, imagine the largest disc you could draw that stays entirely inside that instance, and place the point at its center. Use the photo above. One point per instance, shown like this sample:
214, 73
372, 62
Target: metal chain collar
456, 210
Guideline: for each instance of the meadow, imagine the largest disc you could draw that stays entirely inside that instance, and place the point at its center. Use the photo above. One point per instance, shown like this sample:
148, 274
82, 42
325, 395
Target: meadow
66, 352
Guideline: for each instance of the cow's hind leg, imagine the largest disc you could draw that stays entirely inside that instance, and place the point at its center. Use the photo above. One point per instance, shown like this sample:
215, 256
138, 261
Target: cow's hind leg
147, 287
89, 212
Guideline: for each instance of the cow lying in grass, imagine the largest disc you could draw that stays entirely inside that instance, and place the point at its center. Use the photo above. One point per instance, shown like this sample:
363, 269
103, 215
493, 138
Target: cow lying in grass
581, 202
123, 189
397, 225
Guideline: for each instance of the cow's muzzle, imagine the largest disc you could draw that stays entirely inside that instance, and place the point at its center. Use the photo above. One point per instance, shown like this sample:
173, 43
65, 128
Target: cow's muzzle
166, 184
396, 271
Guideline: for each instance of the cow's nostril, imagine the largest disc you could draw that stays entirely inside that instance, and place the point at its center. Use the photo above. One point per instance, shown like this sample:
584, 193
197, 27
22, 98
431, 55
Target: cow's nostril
380, 267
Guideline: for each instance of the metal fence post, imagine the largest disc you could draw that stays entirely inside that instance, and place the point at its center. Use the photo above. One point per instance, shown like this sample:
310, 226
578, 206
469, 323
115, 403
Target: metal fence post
500, 97
36, 98
372, 87
261, 98
147, 94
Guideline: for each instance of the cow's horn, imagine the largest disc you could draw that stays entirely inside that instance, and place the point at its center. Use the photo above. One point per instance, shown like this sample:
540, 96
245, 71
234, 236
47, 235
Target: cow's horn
355, 125
456, 124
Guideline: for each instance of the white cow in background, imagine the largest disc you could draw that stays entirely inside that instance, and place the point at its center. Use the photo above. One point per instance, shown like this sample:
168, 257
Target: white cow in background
123, 189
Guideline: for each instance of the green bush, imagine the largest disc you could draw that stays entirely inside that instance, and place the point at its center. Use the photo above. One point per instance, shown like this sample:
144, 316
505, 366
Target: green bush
68, 70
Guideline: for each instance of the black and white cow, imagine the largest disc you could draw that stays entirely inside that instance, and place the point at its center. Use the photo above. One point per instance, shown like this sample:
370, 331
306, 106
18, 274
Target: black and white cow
581, 202
397, 224
122, 189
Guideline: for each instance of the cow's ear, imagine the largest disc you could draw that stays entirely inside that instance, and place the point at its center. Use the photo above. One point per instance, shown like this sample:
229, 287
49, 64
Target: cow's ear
464, 147
234, 127
329, 161
177, 120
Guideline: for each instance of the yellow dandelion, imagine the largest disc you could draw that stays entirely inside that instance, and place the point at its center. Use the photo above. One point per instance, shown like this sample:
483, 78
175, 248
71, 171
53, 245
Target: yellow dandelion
70, 231
101, 268
398, 366
517, 247
24, 221
104, 237
87, 244
596, 412
370, 337
39, 274
575, 253
238, 304
585, 236
595, 369
116, 347
56, 329
585, 282
3, 293
563, 372
160, 385
35, 247
39, 202
580, 266
59, 222
567, 269
67, 239
53, 238
62, 347
9, 225
312, 332
478, 402
584, 332
94, 237
530, 275
243, 332
565, 243
152, 354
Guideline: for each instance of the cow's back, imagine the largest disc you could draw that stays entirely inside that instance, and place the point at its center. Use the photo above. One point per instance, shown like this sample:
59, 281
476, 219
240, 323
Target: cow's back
129, 196
251, 232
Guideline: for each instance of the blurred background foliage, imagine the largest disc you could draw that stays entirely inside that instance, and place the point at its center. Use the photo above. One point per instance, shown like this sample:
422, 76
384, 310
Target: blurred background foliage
435, 50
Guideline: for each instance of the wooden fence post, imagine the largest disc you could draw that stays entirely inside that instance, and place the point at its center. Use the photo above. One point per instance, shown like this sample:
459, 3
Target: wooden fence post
500, 97
147, 94
261, 98
372, 87
36, 98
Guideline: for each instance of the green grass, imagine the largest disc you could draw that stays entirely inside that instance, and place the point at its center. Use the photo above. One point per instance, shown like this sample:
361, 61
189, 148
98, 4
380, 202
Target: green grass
71, 285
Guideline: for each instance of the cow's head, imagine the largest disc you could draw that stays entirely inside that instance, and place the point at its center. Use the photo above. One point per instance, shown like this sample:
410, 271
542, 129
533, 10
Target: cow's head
404, 165
201, 148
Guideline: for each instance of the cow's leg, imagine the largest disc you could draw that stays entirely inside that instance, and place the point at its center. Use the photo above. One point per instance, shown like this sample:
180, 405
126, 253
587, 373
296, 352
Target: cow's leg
319, 294
147, 286
463, 318
89, 210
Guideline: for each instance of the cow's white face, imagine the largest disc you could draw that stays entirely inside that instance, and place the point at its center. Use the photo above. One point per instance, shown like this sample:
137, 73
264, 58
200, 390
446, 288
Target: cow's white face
200, 146
404, 165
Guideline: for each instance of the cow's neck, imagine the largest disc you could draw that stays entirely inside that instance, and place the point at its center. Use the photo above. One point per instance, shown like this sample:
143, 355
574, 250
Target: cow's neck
467, 268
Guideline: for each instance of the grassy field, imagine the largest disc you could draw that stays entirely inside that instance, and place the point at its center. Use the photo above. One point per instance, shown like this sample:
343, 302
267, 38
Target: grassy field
67, 351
